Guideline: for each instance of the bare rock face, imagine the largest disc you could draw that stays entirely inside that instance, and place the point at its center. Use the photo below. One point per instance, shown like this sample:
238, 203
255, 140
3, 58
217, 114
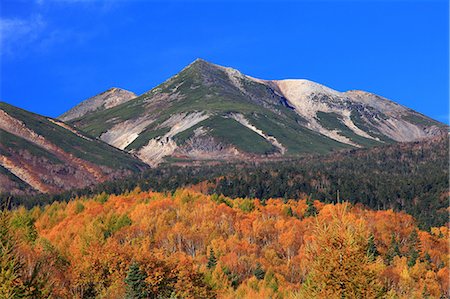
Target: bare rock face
108, 99
389, 119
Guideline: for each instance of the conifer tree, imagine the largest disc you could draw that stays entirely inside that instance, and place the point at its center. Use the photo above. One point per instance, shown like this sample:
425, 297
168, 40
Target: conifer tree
15, 280
311, 210
288, 211
135, 281
271, 281
413, 253
372, 251
259, 272
212, 261
393, 250
427, 258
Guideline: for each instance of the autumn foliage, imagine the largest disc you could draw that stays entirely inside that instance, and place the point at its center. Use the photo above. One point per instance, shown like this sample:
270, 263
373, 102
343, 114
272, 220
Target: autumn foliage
190, 245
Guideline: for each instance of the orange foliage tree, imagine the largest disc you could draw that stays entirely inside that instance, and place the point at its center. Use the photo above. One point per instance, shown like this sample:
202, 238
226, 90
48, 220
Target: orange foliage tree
275, 249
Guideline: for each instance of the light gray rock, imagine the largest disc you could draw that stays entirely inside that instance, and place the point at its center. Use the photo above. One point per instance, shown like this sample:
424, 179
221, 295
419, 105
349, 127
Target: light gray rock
108, 99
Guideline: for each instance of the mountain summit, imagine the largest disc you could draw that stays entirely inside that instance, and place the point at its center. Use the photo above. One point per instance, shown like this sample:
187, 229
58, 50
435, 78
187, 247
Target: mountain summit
105, 100
211, 112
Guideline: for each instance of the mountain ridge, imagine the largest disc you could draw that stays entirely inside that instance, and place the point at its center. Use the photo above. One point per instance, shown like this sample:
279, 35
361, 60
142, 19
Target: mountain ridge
203, 111
42, 154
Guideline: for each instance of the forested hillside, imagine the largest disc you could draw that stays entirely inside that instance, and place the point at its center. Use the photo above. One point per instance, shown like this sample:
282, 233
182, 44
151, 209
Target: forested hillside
190, 245
412, 177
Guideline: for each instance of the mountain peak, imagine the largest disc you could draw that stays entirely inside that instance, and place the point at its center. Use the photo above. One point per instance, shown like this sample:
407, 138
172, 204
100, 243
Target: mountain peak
212, 70
105, 100
115, 89
202, 64
201, 60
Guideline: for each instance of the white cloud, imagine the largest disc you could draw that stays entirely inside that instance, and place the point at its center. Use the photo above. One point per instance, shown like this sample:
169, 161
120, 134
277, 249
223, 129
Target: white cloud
103, 5
36, 33
15, 32
19, 37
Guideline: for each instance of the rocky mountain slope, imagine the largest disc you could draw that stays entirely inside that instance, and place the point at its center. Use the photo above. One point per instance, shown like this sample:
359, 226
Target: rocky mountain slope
210, 112
42, 154
108, 99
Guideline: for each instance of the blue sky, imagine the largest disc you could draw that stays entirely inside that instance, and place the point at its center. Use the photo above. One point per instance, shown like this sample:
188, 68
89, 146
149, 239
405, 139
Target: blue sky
55, 54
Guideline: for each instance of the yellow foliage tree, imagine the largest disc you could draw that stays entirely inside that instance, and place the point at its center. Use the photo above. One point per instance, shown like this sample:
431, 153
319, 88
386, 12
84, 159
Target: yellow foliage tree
339, 266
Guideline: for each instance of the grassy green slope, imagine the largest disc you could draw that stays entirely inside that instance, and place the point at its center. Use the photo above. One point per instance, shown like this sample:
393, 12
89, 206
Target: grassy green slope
10, 141
230, 131
295, 137
370, 129
332, 121
263, 110
422, 120
91, 150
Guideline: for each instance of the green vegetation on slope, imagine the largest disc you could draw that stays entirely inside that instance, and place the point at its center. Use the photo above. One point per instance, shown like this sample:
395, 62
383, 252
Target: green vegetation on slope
422, 120
411, 177
230, 131
296, 138
88, 149
97, 123
10, 141
332, 121
371, 130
